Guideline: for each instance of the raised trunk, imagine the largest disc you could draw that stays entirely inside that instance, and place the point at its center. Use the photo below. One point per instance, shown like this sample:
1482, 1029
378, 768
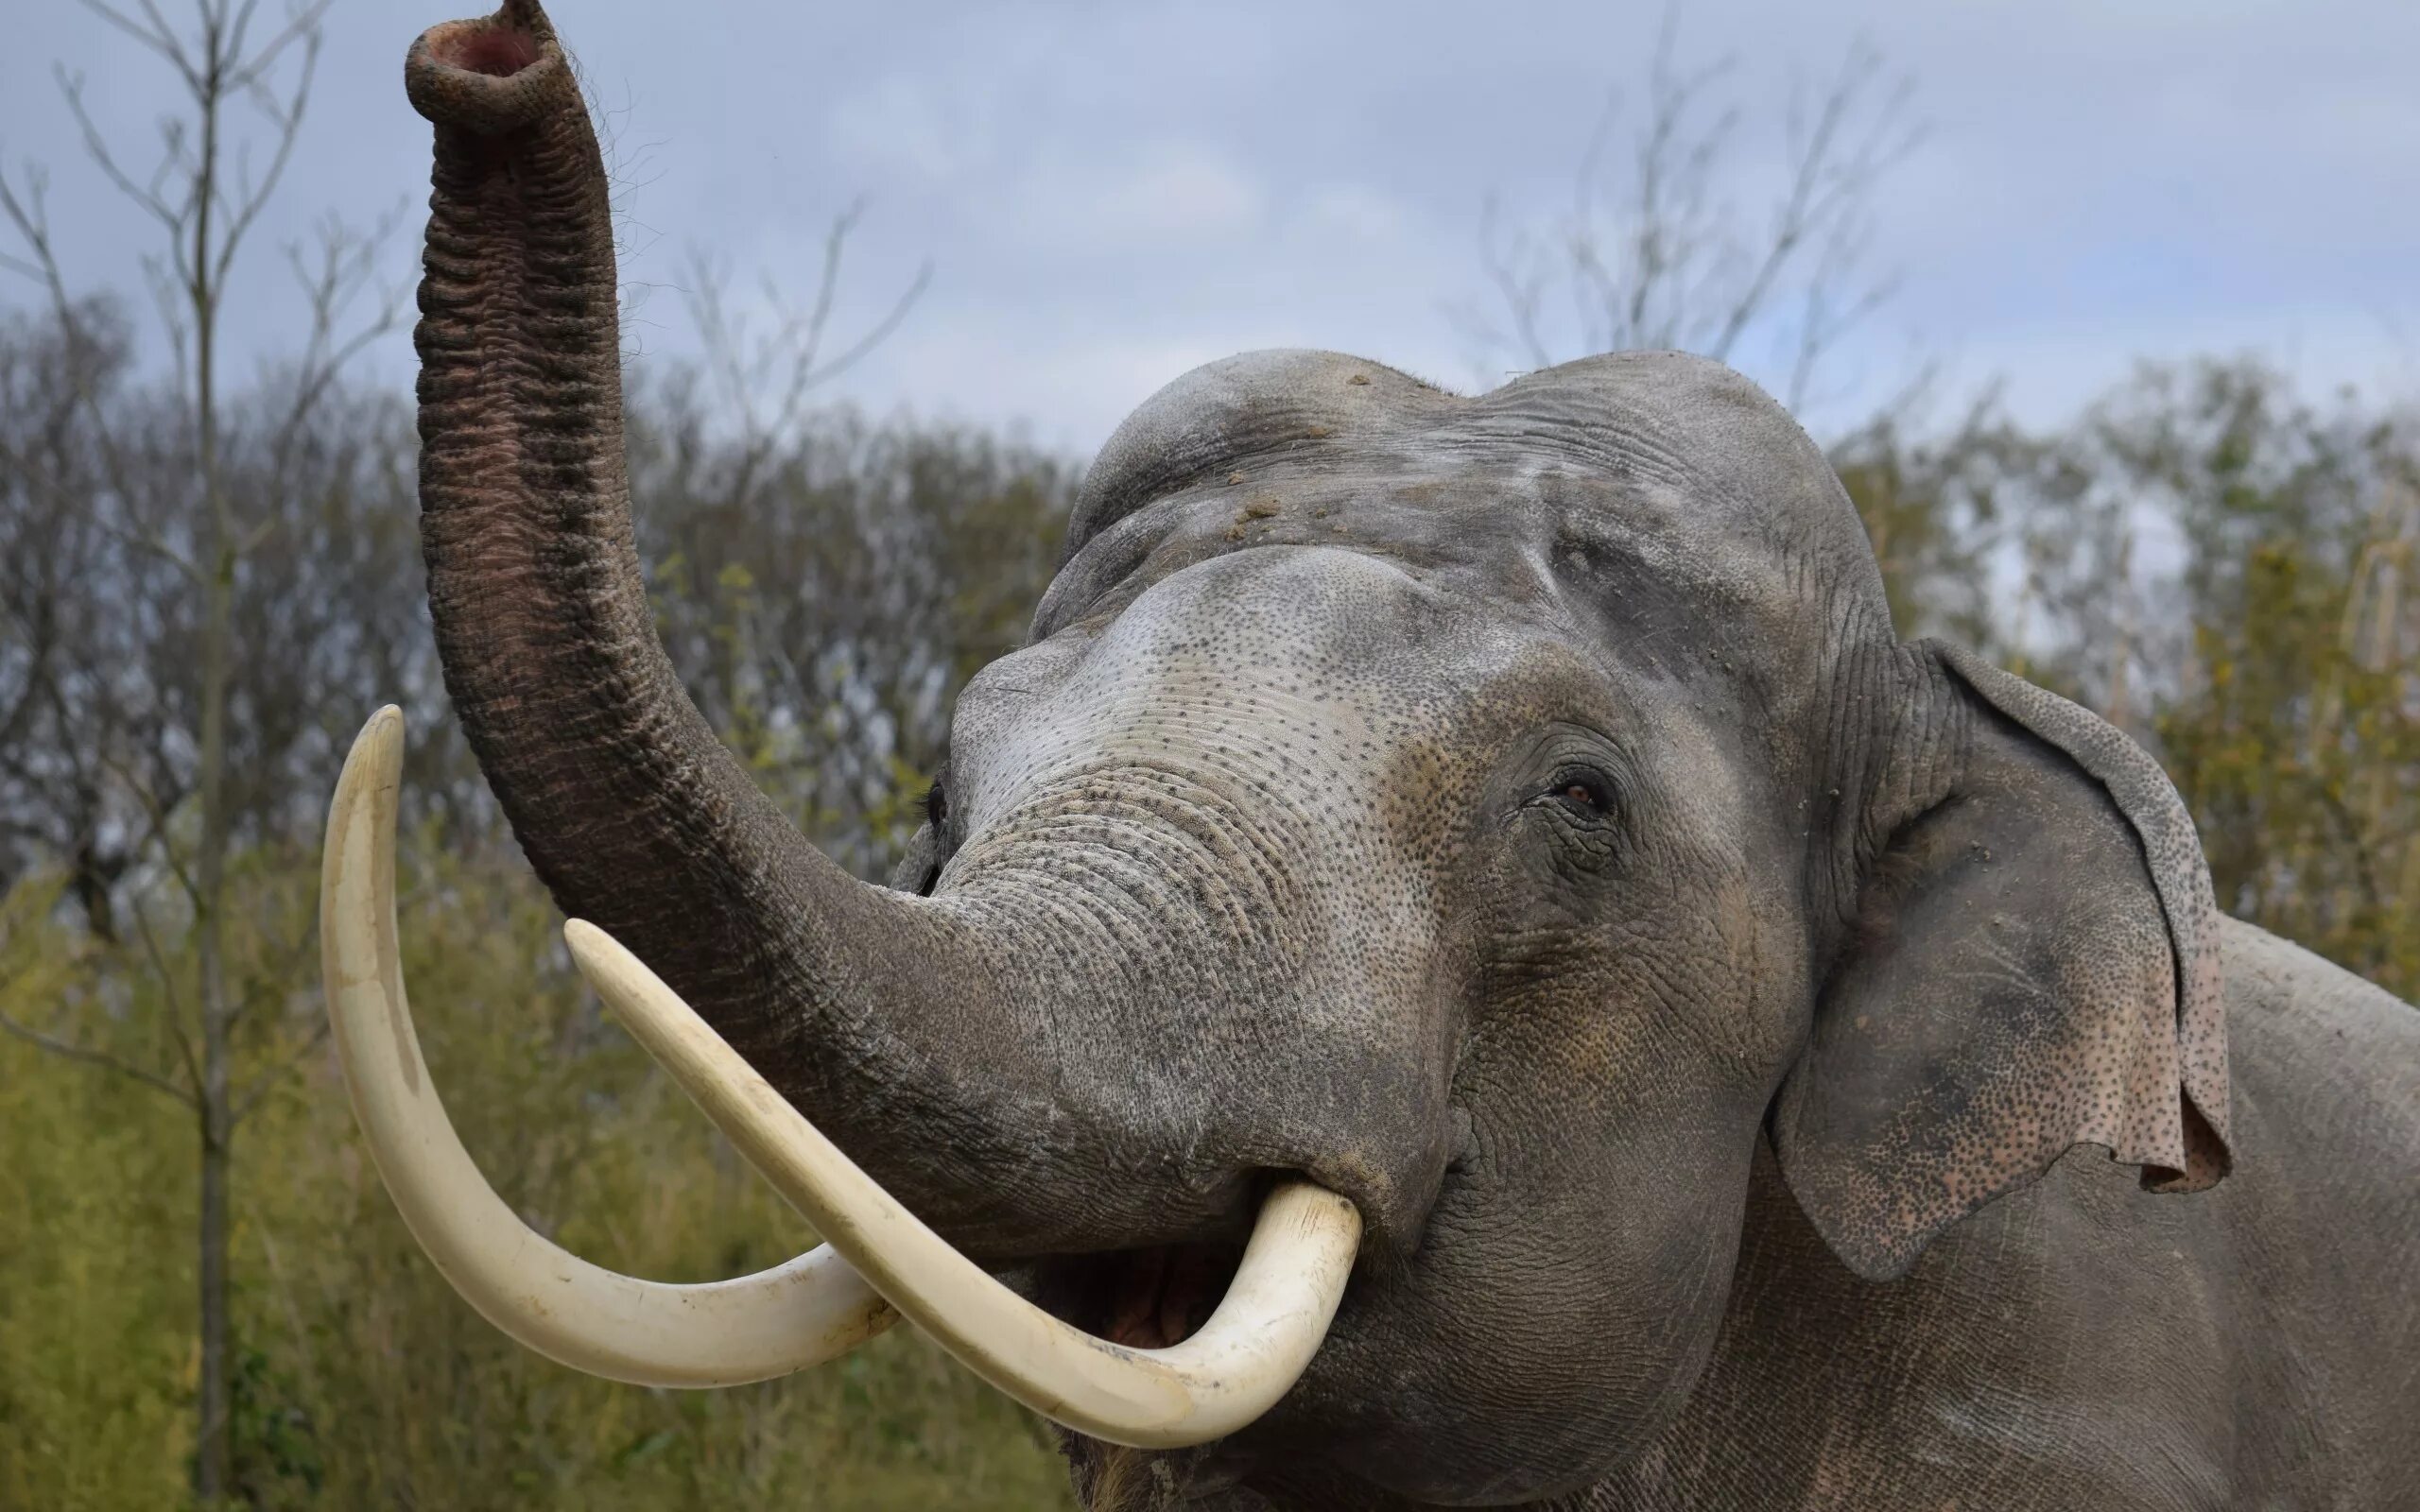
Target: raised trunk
856, 1001
608, 773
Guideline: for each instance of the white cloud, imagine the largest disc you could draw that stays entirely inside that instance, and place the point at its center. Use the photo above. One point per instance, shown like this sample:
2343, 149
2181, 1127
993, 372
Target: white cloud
906, 125
1139, 200
1111, 194
2053, 368
1076, 381
1356, 211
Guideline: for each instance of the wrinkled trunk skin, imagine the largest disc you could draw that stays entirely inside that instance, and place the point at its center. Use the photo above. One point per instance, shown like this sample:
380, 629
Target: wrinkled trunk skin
857, 1003
608, 773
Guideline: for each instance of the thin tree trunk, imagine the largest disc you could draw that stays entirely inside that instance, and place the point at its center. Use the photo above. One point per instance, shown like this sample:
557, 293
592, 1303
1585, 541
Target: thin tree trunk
207, 218
212, 1459
2121, 658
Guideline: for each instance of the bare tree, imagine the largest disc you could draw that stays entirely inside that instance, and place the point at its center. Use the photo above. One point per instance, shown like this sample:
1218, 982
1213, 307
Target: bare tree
787, 360
58, 800
243, 82
822, 583
1652, 253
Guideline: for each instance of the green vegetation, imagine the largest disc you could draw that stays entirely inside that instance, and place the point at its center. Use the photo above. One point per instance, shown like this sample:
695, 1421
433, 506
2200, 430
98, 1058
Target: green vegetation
360, 1380
2231, 574
824, 611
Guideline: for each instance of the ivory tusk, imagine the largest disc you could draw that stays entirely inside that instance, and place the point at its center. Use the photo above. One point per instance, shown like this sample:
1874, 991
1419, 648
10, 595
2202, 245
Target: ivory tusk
646, 1333
1253, 1349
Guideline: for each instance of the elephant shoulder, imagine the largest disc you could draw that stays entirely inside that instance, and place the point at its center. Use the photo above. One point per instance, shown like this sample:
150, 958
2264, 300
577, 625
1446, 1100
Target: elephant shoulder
2302, 1030
2326, 1080
2322, 1221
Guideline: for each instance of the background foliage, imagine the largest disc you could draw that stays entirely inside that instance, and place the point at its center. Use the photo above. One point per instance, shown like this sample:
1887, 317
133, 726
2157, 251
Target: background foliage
825, 621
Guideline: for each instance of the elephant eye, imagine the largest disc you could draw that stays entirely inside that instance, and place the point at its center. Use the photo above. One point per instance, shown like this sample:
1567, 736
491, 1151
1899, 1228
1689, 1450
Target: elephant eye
1583, 789
936, 806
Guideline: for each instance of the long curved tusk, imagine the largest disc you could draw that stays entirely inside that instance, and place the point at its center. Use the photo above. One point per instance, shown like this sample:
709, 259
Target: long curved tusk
1253, 1349
646, 1333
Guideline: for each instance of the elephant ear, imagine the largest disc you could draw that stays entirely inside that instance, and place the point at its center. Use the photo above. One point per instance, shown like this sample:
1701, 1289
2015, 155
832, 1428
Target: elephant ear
2035, 965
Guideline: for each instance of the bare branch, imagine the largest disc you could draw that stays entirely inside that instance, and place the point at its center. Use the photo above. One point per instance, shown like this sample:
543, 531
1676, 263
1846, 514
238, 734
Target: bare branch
88, 1055
145, 197
305, 23
791, 353
290, 954
30, 215
158, 36
1650, 254
1518, 288
251, 1100
287, 124
157, 812
881, 330
347, 265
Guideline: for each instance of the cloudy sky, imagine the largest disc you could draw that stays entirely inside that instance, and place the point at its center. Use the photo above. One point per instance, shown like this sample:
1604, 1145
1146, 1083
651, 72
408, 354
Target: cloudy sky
1108, 195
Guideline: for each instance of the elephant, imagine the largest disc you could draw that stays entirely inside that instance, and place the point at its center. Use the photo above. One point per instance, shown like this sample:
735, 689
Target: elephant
1464, 902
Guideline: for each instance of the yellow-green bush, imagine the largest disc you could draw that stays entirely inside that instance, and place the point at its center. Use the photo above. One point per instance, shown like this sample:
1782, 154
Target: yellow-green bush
361, 1381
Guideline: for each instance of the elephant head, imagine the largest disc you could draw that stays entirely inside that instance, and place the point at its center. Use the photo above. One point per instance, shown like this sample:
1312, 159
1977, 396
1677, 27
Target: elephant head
1498, 813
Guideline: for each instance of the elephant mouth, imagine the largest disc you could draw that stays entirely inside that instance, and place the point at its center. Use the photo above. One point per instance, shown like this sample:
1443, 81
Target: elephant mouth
1148, 1299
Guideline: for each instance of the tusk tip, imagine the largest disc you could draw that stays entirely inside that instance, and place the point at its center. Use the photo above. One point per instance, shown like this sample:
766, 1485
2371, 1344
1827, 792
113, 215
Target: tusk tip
591, 948
614, 973
376, 759
384, 727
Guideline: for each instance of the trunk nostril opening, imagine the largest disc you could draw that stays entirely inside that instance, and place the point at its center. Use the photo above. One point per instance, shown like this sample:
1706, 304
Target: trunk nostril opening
492, 76
497, 51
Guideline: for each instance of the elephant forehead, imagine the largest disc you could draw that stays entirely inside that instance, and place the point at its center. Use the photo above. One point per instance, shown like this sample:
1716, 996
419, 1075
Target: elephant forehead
1678, 464
1302, 666
1663, 420
1275, 745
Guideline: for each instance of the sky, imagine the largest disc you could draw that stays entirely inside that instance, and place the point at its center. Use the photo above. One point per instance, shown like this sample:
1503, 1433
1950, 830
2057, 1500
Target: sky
1107, 195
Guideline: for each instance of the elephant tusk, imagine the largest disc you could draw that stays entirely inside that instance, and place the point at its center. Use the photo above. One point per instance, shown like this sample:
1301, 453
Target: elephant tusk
645, 1332
1253, 1349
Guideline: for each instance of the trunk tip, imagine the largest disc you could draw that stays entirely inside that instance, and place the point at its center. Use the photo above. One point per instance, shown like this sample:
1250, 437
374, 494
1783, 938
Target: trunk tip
489, 75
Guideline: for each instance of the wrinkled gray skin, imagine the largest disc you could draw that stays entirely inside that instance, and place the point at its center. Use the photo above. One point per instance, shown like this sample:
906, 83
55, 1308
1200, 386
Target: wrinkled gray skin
1517, 813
